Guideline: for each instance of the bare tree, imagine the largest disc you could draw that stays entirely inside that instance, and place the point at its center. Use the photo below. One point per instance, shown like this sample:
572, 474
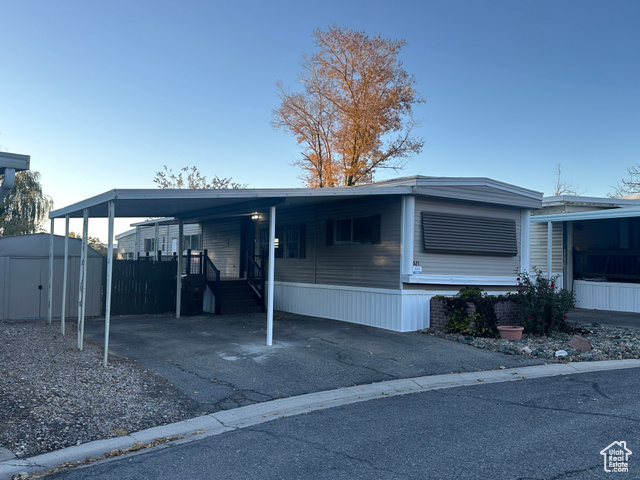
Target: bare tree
355, 113
630, 185
564, 188
192, 179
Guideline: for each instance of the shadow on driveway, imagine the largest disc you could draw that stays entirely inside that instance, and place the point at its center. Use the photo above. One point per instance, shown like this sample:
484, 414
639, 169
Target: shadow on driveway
222, 362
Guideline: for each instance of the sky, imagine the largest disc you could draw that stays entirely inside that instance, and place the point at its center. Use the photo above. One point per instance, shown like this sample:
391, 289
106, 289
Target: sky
103, 94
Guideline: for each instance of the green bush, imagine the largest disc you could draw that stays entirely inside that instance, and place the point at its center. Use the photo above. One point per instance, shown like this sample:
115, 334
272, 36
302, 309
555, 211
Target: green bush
543, 307
481, 323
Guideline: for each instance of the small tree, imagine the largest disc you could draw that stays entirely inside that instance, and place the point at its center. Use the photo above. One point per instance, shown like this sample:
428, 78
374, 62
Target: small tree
192, 179
26, 207
93, 242
543, 307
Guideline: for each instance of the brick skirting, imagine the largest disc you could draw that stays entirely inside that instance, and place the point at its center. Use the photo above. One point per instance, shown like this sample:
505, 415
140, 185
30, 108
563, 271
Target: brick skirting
506, 312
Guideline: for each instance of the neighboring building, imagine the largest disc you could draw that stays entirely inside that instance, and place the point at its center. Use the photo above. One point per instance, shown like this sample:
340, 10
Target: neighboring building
144, 238
595, 249
24, 277
372, 254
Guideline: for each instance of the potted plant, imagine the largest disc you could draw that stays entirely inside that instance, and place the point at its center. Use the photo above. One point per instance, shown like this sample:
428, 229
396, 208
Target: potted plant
510, 332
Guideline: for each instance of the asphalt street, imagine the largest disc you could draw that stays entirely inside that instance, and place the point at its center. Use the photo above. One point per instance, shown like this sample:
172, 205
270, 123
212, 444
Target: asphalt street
545, 428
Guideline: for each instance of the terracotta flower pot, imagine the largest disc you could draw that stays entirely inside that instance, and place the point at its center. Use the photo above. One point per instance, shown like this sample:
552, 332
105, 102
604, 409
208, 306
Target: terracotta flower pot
510, 332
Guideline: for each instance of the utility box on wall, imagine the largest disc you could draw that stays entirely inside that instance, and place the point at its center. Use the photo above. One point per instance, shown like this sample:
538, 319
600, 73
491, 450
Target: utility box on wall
24, 277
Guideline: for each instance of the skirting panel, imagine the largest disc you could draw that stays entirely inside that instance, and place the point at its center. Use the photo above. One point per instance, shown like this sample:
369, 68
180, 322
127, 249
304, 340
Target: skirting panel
620, 297
389, 309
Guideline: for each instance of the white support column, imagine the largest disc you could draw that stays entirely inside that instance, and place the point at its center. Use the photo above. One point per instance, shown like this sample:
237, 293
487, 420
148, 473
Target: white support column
50, 289
525, 240
107, 301
83, 277
157, 245
549, 248
65, 276
179, 272
407, 233
80, 271
271, 274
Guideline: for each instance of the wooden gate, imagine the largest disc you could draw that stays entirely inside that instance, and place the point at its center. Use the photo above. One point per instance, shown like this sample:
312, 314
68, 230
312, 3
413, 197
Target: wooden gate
143, 287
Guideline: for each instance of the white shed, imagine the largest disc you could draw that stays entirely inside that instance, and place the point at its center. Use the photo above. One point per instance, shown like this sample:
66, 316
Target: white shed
24, 277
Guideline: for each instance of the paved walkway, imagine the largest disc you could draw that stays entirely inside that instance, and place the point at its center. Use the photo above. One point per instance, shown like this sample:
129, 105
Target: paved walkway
605, 317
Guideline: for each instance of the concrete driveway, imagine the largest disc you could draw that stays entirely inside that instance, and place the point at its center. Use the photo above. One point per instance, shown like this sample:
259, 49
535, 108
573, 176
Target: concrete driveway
222, 362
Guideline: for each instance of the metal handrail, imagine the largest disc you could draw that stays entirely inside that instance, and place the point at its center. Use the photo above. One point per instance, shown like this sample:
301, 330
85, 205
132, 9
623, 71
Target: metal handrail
212, 274
255, 276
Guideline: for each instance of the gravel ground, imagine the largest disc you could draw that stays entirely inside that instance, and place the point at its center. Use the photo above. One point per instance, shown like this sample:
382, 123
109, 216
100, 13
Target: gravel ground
54, 396
607, 342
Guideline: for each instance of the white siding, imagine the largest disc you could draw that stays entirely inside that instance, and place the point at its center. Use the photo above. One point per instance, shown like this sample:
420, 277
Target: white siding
126, 244
389, 309
222, 240
539, 247
620, 297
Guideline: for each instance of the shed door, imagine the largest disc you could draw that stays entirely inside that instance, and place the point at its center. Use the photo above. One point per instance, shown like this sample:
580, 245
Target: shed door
26, 299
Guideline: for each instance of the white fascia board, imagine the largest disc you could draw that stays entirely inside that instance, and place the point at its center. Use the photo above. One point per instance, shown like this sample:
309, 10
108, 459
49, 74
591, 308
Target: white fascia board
89, 202
159, 221
478, 182
125, 234
235, 194
459, 280
595, 215
589, 201
262, 193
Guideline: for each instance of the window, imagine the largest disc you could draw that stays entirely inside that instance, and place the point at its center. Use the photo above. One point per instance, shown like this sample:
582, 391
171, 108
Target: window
291, 241
291, 236
149, 244
469, 235
191, 242
354, 230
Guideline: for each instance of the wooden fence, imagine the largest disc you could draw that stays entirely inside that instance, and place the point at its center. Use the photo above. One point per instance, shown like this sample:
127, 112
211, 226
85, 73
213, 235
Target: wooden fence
143, 287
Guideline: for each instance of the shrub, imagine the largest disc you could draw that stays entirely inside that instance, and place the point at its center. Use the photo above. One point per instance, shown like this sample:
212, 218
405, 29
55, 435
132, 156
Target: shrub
480, 322
542, 306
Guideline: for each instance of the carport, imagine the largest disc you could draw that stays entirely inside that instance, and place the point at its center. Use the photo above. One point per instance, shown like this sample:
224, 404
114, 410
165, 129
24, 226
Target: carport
191, 206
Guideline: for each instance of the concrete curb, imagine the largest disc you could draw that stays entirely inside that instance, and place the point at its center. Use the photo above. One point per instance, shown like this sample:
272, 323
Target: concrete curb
230, 420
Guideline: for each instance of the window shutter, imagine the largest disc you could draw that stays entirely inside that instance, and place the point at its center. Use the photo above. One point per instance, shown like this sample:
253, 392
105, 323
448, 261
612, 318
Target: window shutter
469, 235
329, 232
375, 229
302, 249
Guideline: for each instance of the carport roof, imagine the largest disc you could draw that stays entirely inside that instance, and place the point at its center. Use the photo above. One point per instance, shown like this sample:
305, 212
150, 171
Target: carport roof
194, 205
625, 212
191, 204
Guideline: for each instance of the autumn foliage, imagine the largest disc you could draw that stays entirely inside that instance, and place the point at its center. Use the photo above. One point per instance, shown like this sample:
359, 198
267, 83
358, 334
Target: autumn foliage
354, 115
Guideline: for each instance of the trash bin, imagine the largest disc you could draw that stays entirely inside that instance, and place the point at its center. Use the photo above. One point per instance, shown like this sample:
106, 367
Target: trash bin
192, 294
